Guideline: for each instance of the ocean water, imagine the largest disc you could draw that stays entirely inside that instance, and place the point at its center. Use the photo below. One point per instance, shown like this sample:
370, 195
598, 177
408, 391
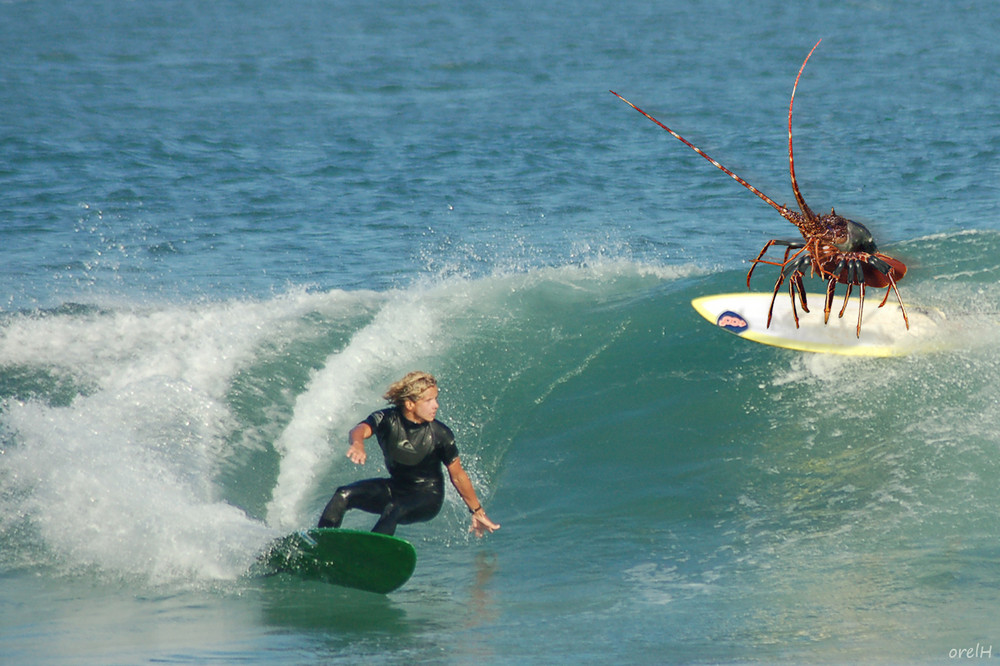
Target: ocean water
226, 227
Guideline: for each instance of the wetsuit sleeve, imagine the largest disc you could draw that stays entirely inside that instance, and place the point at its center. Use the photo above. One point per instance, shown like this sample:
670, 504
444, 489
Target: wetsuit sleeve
444, 441
376, 420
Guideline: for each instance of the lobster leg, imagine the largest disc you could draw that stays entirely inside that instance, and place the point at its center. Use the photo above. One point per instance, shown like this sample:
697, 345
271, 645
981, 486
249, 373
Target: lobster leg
791, 294
831, 287
861, 306
885, 269
892, 283
758, 260
795, 274
802, 291
777, 287
843, 309
792, 270
790, 245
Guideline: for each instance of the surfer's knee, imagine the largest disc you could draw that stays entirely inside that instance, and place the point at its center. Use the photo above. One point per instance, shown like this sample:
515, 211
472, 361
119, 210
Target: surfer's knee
333, 514
389, 519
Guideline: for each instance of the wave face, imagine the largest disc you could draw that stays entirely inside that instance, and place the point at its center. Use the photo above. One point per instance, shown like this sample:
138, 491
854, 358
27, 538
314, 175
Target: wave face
199, 431
653, 458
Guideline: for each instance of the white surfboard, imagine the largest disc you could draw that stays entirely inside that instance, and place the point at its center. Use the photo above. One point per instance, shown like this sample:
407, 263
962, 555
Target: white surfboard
883, 331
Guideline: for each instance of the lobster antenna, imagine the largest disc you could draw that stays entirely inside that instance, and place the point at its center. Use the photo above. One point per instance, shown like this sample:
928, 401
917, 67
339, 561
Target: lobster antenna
785, 212
791, 159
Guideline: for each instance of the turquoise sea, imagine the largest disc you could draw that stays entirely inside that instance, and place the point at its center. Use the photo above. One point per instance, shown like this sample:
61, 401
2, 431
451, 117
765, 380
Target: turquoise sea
226, 226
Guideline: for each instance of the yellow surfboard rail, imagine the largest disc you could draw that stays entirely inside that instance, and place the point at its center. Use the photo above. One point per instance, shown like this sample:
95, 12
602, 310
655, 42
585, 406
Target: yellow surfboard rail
883, 331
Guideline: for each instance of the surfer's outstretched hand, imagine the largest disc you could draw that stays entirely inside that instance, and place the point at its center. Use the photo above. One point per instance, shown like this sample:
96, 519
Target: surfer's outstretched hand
481, 523
357, 454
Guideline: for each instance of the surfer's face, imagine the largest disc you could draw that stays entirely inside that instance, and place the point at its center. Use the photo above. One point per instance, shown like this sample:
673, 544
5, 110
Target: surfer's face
424, 408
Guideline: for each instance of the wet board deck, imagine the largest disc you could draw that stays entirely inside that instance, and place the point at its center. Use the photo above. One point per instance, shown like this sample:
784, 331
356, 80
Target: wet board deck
883, 332
362, 560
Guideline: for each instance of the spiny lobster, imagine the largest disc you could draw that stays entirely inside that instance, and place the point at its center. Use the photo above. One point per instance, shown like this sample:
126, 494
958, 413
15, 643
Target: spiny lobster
838, 250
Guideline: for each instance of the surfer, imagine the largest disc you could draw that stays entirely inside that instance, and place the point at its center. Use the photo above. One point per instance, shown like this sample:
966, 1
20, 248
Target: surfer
415, 446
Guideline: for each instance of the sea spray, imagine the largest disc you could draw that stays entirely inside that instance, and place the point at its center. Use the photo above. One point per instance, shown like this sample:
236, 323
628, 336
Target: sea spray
402, 332
120, 476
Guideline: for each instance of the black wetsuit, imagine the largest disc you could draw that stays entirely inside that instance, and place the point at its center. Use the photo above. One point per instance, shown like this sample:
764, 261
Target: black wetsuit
414, 491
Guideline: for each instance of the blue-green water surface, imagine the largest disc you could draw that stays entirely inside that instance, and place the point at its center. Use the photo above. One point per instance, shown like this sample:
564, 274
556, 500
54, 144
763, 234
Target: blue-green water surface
226, 227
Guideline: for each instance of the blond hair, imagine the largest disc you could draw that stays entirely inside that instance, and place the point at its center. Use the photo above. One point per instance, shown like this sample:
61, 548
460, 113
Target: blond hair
409, 387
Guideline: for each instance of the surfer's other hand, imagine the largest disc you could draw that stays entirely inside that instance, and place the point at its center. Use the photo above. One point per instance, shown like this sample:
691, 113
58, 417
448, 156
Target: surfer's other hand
481, 523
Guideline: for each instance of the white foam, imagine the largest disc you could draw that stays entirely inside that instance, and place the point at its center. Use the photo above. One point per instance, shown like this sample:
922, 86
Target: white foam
122, 478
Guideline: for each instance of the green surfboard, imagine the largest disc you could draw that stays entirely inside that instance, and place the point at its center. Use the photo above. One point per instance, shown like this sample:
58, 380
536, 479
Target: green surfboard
362, 560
